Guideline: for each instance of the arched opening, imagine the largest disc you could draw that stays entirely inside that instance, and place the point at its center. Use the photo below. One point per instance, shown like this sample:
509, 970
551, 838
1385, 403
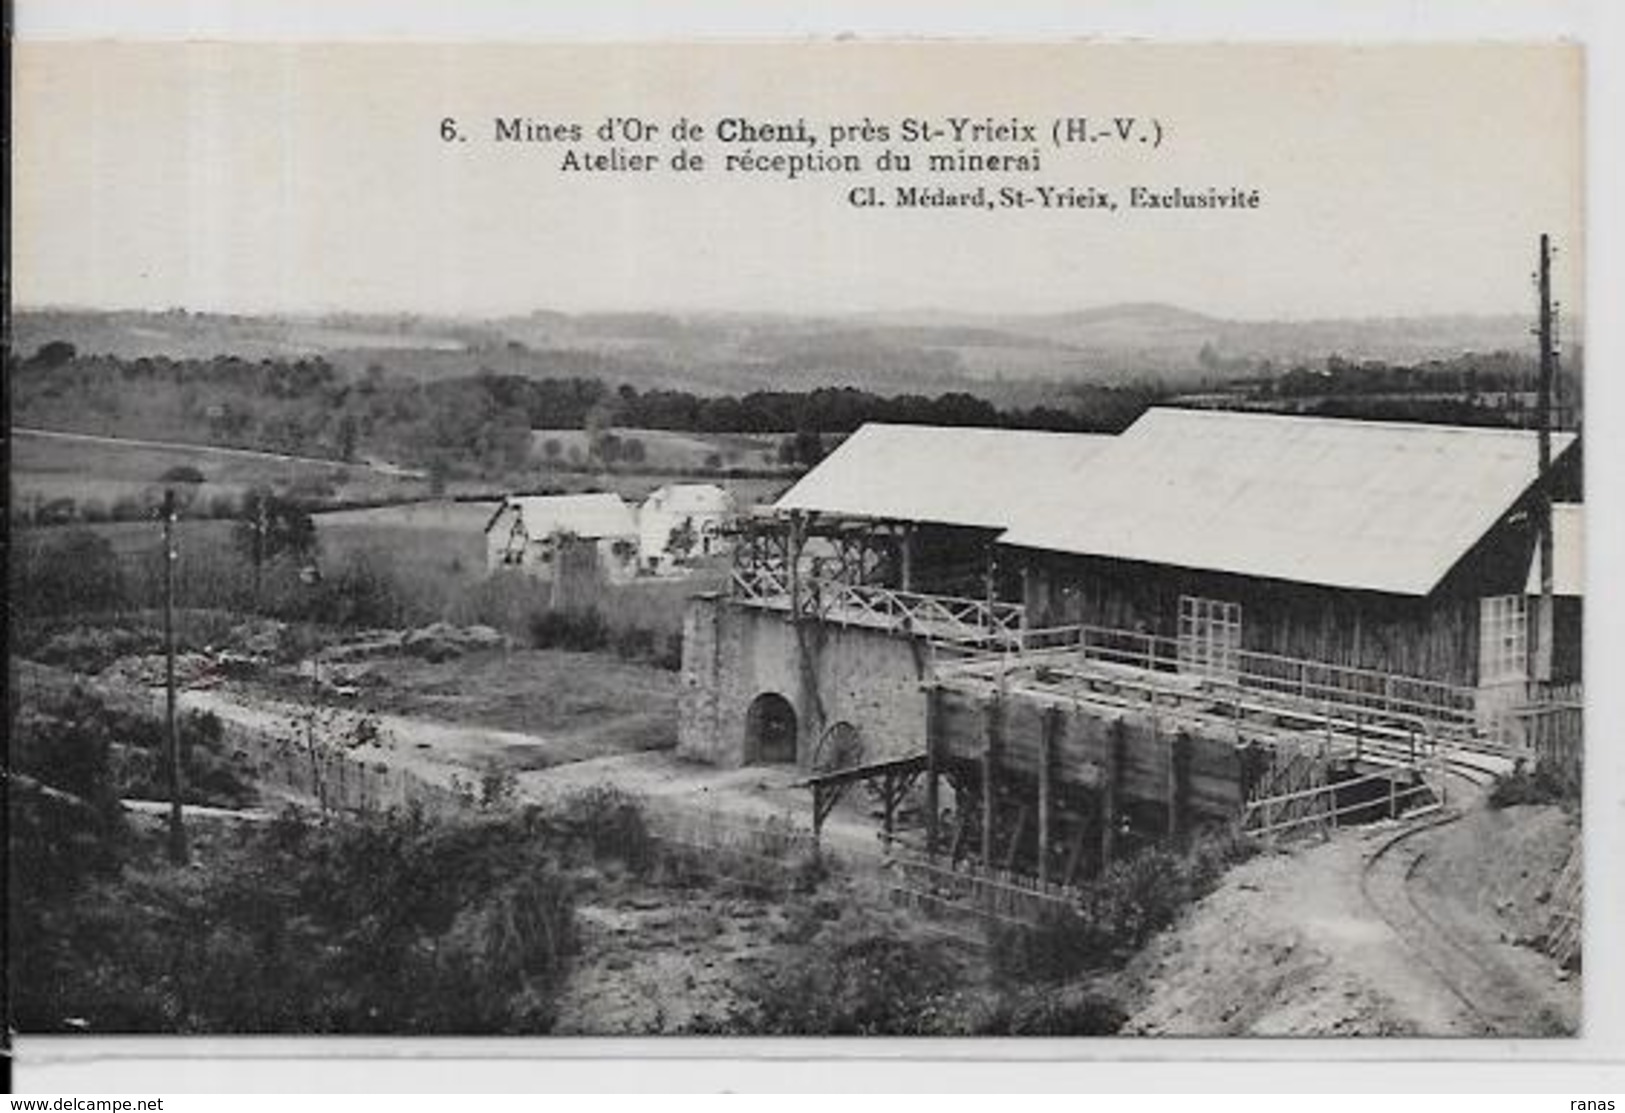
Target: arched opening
770, 730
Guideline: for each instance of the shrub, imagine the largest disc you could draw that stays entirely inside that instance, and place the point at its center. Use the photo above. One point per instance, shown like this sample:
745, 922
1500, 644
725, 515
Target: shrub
606, 823
1044, 1011
128, 508
363, 591
579, 629
390, 925
90, 649
1119, 912
870, 985
1544, 784
67, 571
182, 473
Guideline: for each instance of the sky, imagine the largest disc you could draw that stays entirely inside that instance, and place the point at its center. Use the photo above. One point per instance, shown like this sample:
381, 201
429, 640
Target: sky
265, 177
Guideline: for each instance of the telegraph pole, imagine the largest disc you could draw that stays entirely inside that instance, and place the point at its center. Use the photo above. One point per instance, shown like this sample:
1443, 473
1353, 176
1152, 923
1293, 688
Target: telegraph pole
259, 543
1541, 632
172, 749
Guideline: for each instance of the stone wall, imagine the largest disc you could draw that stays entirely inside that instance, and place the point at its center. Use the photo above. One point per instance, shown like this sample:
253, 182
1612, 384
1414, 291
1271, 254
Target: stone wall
829, 673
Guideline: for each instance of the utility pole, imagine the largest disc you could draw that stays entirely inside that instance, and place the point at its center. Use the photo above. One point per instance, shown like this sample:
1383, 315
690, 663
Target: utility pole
1541, 630
172, 749
259, 543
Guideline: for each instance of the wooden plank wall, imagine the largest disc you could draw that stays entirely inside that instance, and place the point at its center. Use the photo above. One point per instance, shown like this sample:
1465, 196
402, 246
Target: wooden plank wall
1206, 773
1434, 637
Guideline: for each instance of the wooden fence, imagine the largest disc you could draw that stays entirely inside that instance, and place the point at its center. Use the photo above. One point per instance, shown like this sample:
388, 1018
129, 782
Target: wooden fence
1552, 729
1563, 934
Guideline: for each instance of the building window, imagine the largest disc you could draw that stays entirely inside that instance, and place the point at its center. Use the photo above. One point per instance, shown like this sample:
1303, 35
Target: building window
1503, 639
1209, 636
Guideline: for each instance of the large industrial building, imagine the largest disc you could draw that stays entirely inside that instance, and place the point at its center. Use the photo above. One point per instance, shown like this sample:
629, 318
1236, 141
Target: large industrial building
1084, 634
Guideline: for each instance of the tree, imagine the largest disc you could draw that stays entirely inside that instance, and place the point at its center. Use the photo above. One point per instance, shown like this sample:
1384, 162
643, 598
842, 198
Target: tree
439, 472
682, 540
272, 527
349, 434
182, 473
806, 448
54, 354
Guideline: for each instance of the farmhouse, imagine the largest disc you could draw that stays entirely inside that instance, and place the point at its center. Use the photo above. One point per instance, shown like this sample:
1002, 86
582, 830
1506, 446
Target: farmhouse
540, 535
1184, 623
682, 522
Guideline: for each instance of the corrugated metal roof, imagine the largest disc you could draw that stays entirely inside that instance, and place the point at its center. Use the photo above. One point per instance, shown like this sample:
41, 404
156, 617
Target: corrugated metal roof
951, 476
1568, 552
600, 515
1382, 506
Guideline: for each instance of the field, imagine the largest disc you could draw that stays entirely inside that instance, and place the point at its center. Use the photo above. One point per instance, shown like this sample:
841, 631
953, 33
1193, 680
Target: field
440, 538
99, 473
122, 479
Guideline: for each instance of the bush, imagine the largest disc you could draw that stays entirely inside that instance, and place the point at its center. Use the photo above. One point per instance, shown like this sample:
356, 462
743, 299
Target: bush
65, 572
869, 985
1544, 784
90, 649
1119, 912
579, 630
392, 925
363, 591
605, 823
1043, 1011
182, 473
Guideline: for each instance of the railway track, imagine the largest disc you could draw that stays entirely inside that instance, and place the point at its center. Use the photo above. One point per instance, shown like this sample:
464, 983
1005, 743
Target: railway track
1472, 978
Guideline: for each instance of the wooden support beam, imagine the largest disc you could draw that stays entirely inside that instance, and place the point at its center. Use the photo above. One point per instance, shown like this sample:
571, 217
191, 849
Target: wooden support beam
1179, 764
1048, 737
1014, 846
907, 562
1074, 856
961, 827
990, 766
825, 797
933, 772
798, 525
1108, 792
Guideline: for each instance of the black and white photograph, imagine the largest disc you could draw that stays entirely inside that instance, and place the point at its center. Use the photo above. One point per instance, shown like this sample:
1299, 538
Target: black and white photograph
800, 539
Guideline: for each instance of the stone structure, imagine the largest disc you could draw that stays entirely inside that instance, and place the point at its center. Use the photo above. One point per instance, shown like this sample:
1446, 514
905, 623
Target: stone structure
740, 662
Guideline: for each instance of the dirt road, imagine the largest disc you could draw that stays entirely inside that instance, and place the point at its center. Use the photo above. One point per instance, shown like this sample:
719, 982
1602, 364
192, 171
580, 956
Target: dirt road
684, 793
1379, 931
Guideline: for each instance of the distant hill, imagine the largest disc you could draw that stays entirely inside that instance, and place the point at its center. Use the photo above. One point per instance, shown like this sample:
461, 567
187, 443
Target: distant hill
921, 351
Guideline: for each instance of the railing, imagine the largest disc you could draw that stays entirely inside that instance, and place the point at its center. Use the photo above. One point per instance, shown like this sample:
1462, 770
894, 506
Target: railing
945, 618
942, 617
967, 887
1315, 809
762, 584
1330, 690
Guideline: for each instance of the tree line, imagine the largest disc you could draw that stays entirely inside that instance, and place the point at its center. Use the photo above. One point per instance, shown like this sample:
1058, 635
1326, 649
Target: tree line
473, 424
